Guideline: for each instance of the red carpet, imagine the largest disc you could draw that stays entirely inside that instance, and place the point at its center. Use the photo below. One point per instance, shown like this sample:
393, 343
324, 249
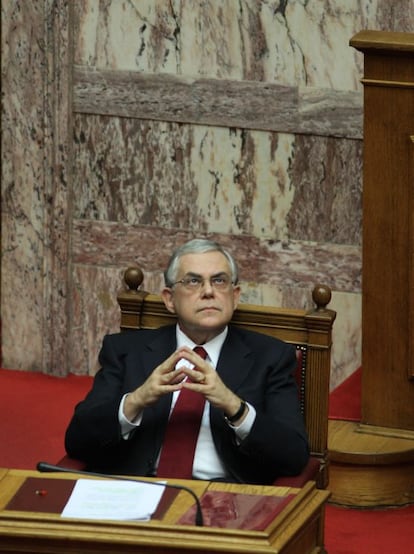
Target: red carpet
345, 400
35, 410
388, 531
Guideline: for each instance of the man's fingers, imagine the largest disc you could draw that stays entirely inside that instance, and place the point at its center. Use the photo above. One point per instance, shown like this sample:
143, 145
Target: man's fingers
177, 378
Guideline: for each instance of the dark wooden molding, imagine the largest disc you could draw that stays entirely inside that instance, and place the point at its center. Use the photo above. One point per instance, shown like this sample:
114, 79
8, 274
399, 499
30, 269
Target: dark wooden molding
399, 44
242, 104
387, 390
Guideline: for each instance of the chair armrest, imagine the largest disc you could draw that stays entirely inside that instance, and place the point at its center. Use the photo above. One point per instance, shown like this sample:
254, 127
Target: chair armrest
309, 473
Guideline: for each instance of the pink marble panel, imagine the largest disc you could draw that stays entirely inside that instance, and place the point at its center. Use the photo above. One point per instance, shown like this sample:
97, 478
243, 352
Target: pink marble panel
102, 251
327, 203
94, 313
200, 179
289, 264
35, 209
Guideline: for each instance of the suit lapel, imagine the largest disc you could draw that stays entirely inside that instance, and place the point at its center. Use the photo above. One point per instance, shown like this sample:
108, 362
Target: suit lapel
235, 360
159, 348
156, 351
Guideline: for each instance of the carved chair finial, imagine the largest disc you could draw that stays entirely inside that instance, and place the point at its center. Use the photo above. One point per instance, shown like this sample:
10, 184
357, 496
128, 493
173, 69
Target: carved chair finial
321, 295
133, 278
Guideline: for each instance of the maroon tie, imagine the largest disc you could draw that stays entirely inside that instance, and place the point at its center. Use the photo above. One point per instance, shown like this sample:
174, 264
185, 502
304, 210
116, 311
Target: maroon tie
177, 454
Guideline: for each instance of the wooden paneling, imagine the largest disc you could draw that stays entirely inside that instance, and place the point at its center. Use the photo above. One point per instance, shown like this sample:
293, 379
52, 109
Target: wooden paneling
410, 368
388, 241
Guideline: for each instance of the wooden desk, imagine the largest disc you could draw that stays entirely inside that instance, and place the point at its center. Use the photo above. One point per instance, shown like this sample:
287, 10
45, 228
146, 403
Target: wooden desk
297, 529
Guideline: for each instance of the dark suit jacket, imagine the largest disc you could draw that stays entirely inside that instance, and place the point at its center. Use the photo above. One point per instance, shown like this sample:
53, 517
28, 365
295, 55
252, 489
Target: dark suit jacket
256, 367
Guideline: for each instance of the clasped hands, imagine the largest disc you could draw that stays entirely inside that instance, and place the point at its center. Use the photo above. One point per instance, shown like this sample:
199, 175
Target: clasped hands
165, 378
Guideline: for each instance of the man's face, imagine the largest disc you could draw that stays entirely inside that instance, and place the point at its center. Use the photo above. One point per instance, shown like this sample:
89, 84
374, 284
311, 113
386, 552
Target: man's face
202, 312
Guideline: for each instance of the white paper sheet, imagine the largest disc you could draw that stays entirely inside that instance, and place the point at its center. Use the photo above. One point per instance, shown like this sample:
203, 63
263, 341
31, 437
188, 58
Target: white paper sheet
112, 499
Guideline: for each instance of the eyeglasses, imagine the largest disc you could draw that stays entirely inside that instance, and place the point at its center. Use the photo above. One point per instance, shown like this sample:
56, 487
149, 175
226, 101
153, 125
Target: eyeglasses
194, 282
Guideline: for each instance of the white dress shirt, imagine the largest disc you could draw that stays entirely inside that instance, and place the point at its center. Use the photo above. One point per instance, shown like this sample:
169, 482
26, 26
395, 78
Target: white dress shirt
207, 464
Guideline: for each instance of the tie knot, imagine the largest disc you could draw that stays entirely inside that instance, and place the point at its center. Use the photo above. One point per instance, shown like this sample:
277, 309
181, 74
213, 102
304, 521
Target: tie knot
200, 351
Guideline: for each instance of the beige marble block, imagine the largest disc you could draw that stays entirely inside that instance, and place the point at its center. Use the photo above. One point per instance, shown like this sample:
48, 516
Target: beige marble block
293, 43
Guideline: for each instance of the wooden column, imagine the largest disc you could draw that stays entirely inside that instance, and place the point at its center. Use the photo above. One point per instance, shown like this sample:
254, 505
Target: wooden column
388, 229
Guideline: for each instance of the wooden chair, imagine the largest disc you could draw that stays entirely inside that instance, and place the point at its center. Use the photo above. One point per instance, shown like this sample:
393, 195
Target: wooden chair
309, 331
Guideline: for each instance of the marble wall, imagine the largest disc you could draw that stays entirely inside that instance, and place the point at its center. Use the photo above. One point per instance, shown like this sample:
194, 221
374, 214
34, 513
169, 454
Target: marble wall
145, 123
35, 183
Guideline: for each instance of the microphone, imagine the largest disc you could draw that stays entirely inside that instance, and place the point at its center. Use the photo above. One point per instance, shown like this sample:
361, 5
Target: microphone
45, 467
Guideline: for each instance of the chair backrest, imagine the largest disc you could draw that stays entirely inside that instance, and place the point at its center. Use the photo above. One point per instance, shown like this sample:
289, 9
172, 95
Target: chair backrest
310, 331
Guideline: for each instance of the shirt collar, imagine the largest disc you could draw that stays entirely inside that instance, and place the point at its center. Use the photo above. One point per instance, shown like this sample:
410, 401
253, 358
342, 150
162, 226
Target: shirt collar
212, 347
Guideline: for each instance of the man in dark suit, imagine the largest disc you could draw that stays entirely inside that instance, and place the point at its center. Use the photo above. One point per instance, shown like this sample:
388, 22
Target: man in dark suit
251, 430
